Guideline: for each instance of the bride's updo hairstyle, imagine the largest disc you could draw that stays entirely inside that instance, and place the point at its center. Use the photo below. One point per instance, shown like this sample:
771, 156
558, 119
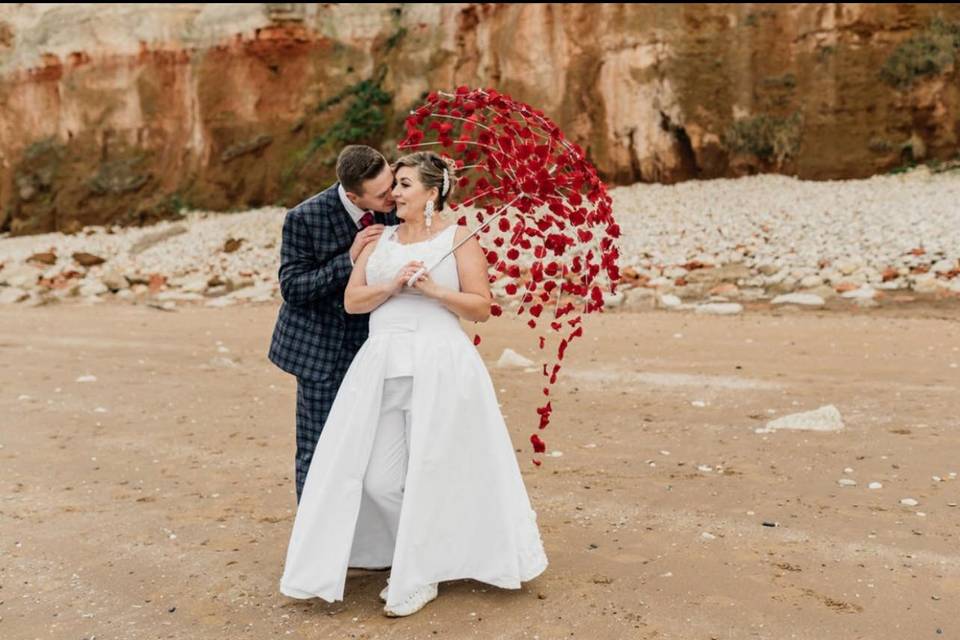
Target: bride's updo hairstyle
434, 171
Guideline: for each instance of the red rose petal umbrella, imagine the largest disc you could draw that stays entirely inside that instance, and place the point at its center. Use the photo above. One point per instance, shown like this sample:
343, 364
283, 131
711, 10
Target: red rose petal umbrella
518, 170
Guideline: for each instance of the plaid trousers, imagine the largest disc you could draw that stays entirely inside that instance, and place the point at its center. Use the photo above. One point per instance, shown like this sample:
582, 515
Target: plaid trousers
314, 400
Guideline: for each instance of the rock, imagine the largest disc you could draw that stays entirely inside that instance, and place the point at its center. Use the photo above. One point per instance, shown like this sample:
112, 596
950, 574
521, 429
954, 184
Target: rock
809, 282
945, 266
90, 289
927, 283
823, 291
196, 284
238, 282
803, 299
847, 267
87, 378
875, 485
156, 282
232, 245
863, 293
670, 301
847, 482
214, 292
725, 289
19, 275
719, 308
613, 300
153, 238
752, 294
259, 293
87, 259
826, 418
46, 257
845, 287
510, 359
909, 502
768, 269
115, 281
12, 295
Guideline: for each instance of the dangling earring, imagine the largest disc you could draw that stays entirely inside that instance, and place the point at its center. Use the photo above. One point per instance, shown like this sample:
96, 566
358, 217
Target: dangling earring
428, 213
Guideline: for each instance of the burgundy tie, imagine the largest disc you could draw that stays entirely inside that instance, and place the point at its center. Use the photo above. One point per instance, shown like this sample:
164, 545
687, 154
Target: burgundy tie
367, 220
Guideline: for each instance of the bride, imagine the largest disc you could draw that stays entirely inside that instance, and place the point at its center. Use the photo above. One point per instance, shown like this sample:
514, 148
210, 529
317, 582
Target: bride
414, 469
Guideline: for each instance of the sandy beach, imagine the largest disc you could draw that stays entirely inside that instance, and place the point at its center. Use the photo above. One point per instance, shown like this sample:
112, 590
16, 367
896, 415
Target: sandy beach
147, 464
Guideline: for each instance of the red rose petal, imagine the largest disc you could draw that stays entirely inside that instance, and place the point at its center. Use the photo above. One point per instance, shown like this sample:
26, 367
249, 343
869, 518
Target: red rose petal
539, 446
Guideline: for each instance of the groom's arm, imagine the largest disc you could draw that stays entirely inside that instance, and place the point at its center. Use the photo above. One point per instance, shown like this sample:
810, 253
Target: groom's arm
303, 279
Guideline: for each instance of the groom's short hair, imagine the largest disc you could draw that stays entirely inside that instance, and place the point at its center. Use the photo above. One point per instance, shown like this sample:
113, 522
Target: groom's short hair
356, 164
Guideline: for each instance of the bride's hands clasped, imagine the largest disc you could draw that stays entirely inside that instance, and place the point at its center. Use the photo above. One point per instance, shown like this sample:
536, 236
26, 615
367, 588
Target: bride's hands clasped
406, 272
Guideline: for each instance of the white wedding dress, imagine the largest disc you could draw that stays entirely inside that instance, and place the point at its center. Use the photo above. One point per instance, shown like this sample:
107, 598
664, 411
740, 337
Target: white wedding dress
465, 512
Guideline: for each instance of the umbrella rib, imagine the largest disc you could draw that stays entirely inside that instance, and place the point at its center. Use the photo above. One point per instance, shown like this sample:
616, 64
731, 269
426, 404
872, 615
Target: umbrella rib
438, 115
503, 210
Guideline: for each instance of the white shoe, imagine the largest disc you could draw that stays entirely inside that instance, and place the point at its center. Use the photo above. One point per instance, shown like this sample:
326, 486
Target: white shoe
383, 594
416, 601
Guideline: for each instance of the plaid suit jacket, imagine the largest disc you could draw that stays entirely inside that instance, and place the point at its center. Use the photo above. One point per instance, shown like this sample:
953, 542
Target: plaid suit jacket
314, 338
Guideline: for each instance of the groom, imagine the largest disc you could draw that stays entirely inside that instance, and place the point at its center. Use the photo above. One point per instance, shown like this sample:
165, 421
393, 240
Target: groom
314, 338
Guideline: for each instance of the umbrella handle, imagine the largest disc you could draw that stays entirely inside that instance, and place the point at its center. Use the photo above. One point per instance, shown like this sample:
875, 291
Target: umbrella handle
414, 277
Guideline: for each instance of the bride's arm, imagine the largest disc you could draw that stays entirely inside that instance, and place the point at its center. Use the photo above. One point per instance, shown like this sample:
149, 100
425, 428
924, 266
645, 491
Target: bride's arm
360, 297
472, 302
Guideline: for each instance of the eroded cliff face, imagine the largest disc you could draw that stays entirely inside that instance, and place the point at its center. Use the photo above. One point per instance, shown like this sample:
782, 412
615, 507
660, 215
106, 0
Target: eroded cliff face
126, 113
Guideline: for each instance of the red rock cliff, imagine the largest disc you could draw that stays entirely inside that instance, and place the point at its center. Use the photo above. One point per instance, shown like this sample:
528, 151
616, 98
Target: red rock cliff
125, 113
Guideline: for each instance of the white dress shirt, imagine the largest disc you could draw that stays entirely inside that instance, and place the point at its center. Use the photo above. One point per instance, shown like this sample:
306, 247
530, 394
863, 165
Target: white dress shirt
355, 212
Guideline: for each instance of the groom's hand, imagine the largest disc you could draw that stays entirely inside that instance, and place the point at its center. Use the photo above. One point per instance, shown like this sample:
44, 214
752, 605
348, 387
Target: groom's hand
363, 238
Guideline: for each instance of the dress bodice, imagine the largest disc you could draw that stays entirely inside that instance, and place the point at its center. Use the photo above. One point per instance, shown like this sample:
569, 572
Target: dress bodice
389, 256
409, 310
